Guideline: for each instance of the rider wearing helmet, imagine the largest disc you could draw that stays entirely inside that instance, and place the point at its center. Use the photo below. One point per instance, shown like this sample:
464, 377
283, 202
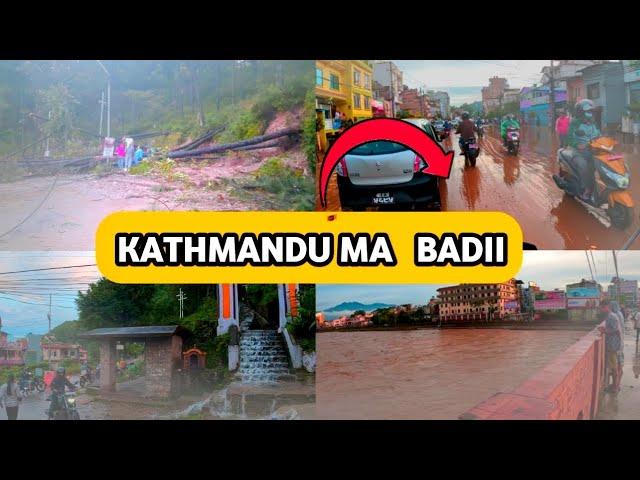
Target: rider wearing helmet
466, 128
58, 385
581, 132
582, 129
509, 122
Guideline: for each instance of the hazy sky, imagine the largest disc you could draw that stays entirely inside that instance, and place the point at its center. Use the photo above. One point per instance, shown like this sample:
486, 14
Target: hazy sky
550, 269
24, 297
464, 78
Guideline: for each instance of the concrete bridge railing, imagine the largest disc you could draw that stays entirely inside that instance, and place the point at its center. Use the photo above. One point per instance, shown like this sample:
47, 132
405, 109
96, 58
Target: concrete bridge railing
568, 388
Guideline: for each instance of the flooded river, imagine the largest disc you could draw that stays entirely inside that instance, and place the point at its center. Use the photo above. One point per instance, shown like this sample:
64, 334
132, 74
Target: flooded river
426, 374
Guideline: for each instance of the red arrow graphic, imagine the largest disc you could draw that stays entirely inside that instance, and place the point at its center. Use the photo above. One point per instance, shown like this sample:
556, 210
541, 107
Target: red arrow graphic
411, 136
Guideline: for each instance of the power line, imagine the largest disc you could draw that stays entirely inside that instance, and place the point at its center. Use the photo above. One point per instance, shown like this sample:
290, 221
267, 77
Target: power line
49, 268
33, 303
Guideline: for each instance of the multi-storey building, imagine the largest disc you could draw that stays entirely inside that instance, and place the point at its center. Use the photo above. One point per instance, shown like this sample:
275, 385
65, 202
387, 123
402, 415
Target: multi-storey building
343, 86
492, 94
389, 78
475, 301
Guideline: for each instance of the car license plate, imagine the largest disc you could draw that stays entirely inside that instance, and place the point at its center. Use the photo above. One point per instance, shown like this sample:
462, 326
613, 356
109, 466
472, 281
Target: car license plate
473, 145
383, 199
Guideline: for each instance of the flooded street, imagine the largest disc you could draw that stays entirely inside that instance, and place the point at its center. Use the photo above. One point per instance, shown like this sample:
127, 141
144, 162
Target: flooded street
426, 374
522, 186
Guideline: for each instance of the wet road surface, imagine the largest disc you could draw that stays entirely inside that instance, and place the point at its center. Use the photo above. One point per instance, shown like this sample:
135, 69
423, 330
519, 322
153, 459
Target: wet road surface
426, 374
522, 186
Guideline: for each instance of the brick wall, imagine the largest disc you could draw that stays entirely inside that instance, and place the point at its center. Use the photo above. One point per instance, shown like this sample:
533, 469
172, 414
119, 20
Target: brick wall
566, 389
162, 358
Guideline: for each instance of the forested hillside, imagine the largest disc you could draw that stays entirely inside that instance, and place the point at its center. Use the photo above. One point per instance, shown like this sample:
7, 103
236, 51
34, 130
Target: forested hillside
64, 99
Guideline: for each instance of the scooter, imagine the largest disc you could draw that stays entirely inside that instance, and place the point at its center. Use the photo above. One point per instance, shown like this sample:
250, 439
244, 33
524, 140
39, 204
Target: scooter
611, 199
513, 141
470, 150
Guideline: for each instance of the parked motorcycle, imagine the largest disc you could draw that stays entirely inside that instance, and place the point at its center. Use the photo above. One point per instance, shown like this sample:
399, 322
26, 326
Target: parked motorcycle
470, 150
610, 197
513, 141
66, 407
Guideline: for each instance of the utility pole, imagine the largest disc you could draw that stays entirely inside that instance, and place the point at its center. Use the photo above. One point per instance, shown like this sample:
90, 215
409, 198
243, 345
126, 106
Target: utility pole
181, 298
108, 97
552, 98
391, 89
46, 150
101, 112
615, 264
589, 263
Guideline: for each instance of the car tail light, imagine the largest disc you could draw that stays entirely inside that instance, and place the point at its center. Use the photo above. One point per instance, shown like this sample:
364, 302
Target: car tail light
418, 164
341, 168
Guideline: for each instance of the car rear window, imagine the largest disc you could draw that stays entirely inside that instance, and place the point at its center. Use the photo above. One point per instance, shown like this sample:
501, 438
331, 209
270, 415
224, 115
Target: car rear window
385, 148
378, 148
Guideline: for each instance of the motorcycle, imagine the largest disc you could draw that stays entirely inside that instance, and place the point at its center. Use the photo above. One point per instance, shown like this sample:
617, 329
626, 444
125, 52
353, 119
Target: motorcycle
66, 410
480, 131
470, 150
611, 197
513, 141
445, 134
29, 385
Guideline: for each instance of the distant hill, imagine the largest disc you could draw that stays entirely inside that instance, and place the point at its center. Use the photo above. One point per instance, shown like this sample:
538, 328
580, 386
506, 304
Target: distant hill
353, 306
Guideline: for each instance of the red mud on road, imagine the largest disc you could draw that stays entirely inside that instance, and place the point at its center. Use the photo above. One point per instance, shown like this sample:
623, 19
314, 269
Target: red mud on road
522, 186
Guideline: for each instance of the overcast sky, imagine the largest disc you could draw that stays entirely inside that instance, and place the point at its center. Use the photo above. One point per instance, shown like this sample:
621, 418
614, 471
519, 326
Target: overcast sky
24, 297
464, 78
550, 269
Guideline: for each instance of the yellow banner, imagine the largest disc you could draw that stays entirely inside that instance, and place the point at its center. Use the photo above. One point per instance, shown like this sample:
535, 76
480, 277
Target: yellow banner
309, 247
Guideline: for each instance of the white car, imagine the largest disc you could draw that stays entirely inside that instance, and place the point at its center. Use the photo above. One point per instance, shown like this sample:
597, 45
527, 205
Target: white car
387, 174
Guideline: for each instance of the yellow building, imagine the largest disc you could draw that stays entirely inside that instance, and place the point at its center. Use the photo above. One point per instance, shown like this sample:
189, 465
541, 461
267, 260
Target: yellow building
343, 86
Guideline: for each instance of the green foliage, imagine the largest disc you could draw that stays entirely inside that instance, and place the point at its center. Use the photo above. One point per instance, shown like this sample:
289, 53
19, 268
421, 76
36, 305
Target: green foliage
309, 130
68, 331
303, 326
394, 317
6, 371
181, 96
290, 189
71, 366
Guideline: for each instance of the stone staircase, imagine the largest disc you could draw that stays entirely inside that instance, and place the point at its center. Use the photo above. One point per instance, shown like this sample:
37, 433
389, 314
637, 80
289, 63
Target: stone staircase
263, 357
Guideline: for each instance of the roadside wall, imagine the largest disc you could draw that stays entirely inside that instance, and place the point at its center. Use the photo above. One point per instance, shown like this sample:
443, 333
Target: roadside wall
568, 388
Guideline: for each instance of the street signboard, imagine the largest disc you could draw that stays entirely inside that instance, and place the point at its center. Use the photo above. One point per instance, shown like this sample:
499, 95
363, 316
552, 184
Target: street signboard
119, 346
580, 303
550, 300
583, 292
108, 147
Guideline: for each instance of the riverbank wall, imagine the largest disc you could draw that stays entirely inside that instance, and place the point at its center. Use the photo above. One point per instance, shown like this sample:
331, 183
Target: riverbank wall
568, 388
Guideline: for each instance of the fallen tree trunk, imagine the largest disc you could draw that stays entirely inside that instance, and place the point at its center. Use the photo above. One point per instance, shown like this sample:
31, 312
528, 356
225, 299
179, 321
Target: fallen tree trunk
232, 146
272, 143
202, 138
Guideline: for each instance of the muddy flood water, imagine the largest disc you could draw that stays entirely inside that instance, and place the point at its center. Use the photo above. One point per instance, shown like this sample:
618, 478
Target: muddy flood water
426, 374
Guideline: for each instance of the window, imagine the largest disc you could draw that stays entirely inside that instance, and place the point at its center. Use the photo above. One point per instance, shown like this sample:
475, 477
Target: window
356, 100
356, 77
334, 82
367, 102
367, 81
319, 80
593, 91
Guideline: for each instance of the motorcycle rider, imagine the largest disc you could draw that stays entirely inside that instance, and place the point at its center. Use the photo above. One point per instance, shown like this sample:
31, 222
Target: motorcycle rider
509, 122
58, 385
582, 131
466, 129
